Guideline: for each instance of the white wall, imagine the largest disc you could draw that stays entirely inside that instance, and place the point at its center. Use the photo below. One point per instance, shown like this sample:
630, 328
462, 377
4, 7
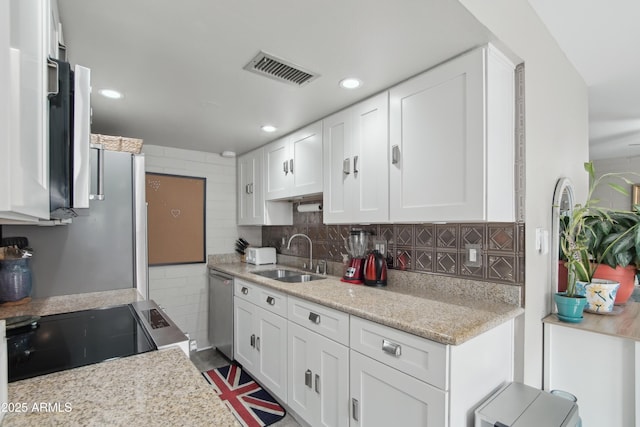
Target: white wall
556, 117
182, 289
608, 196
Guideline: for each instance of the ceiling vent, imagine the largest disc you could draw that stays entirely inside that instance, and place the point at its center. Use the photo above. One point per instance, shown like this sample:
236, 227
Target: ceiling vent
279, 69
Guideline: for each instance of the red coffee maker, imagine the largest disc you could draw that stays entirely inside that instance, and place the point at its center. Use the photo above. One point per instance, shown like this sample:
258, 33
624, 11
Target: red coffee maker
356, 246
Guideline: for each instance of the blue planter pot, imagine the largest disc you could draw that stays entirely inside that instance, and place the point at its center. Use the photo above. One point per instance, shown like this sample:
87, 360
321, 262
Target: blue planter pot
570, 308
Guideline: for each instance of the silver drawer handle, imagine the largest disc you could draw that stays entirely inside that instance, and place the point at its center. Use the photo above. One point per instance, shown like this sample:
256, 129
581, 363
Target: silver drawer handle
307, 378
391, 348
271, 300
346, 166
315, 318
355, 408
244, 290
395, 155
317, 384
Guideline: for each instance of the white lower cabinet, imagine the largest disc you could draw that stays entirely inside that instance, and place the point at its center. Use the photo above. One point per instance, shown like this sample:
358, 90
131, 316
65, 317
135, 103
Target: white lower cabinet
318, 378
260, 345
336, 369
383, 396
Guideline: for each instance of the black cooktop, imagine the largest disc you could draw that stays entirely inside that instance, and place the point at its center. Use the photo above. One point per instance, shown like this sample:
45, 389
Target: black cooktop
69, 340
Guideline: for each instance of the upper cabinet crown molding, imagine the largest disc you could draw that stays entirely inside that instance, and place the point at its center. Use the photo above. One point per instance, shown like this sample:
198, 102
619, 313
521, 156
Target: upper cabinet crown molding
452, 141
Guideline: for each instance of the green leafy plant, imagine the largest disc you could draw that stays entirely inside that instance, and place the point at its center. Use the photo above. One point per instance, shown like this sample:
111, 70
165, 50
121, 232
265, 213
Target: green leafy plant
592, 234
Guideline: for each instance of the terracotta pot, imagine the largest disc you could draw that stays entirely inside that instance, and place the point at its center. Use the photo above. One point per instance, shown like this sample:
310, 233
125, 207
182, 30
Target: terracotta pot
624, 275
563, 275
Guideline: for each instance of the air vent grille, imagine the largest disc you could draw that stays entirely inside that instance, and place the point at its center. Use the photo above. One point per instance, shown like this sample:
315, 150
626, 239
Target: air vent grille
279, 69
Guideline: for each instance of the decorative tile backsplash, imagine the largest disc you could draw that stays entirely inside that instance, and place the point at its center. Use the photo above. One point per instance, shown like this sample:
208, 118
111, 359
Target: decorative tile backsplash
426, 248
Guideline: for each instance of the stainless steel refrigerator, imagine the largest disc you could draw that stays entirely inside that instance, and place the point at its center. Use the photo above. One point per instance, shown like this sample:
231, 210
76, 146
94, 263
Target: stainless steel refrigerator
105, 247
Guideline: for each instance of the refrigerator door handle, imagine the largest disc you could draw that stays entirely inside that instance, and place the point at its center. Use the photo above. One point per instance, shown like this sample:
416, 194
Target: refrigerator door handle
100, 183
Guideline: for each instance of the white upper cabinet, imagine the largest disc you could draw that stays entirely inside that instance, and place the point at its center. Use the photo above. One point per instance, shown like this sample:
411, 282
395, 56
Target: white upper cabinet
293, 164
250, 198
24, 152
452, 142
356, 165
252, 208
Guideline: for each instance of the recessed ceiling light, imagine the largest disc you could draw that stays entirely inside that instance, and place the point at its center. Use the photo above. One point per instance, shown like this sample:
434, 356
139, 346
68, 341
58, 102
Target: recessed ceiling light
268, 128
110, 93
228, 154
350, 83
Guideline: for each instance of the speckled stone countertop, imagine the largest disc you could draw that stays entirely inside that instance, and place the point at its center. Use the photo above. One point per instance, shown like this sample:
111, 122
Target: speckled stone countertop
68, 303
158, 388
623, 325
438, 316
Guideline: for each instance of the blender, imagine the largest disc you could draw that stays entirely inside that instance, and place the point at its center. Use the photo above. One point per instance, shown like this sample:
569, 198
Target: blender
356, 245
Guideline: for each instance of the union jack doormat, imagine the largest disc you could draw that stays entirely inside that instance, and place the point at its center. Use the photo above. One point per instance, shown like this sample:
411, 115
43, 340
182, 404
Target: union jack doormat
246, 399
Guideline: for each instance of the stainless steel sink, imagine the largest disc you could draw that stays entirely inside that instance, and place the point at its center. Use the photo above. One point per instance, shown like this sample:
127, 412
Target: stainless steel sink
300, 278
278, 273
288, 276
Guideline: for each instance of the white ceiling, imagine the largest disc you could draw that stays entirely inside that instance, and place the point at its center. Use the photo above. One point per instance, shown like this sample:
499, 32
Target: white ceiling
179, 63
601, 39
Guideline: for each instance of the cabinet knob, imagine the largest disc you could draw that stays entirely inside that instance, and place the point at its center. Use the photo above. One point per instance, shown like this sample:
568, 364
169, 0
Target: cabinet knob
252, 340
271, 300
391, 348
244, 290
291, 165
315, 318
317, 384
355, 165
285, 167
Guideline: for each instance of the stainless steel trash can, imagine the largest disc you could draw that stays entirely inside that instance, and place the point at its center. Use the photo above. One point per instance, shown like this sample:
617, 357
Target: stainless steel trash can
519, 405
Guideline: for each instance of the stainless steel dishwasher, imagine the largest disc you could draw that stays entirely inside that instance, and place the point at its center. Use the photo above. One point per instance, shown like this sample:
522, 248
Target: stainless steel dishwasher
221, 312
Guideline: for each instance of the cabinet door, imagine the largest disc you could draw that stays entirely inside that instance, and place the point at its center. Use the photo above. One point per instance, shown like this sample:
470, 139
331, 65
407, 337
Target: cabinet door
301, 349
244, 336
277, 160
250, 199
24, 152
318, 371
306, 168
370, 163
437, 144
338, 178
331, 384
271, 346
382, 396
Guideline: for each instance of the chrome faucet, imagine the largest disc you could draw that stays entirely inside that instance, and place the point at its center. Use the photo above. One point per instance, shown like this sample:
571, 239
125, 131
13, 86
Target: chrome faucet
310, 247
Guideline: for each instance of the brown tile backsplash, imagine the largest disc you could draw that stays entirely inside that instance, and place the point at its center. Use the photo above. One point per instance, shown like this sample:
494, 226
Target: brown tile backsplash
426, 248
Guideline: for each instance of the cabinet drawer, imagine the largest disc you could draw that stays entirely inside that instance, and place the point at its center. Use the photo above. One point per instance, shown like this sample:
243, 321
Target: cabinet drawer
270, 300
245, 290
418, 357
326, 321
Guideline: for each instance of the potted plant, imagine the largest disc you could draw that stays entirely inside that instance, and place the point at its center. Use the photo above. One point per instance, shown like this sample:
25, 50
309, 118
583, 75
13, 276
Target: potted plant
583, 244
616, 245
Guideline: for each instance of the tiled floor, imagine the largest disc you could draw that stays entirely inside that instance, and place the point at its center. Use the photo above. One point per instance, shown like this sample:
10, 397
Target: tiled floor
209, 359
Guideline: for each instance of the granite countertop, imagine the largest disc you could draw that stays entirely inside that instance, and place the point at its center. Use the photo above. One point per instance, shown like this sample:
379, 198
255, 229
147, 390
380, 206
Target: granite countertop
438, 316
626, 324
68, 303
153, 389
